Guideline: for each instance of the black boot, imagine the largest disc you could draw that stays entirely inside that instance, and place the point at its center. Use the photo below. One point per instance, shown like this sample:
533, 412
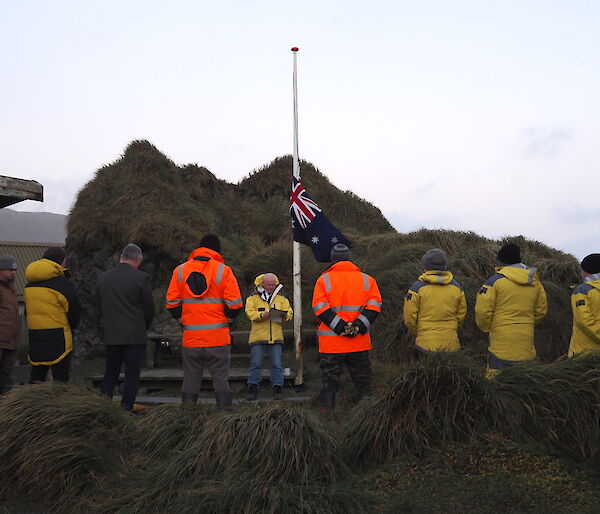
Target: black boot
252, 392
277, 393
327, 400
190, 398
224, 399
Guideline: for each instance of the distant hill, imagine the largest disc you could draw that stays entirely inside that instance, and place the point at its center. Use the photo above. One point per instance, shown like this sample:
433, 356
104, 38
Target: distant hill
32, 227
144, 197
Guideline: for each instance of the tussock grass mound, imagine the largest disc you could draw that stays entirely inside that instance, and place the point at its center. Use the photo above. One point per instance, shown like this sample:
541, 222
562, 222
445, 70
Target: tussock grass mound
275, 444
171, 428
441, 400
268, 459
556, 406
58, 441
175, 205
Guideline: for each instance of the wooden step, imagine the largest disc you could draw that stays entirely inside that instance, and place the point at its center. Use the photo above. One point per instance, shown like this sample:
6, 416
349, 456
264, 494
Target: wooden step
162, 378
163, 400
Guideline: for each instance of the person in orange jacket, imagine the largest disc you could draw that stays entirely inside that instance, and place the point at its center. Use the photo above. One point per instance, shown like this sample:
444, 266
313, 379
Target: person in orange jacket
205, 298
347, 302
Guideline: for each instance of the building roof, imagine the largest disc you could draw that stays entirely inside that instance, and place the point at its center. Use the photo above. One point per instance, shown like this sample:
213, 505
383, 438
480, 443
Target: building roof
14, 190
24, 254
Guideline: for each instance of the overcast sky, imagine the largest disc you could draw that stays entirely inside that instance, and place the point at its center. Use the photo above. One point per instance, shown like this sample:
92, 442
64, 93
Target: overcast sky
464, 115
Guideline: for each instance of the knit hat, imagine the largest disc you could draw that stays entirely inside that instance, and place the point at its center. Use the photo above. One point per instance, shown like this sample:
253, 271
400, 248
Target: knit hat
340, 252
591, 263
434, 259
510, 253
8, 262
211, 241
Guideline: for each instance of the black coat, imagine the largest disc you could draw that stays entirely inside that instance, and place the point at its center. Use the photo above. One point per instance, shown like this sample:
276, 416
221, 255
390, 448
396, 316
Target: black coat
125, 305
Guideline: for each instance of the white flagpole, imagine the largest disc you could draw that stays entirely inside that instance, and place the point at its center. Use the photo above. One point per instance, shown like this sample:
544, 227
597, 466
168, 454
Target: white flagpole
299, 380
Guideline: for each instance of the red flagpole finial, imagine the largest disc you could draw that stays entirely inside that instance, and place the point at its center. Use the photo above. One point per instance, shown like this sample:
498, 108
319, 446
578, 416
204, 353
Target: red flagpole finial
295, 49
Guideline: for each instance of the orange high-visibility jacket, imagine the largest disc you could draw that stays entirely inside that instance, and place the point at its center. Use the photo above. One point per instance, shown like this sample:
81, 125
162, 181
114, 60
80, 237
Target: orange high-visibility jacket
342, 294
206, 294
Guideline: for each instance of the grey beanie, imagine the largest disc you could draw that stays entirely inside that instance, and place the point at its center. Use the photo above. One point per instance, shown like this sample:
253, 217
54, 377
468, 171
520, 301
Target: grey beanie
8, 262
340, 252
434, 259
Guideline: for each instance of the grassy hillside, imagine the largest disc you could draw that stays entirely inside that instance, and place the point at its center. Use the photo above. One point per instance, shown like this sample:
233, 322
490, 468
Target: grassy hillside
144, 197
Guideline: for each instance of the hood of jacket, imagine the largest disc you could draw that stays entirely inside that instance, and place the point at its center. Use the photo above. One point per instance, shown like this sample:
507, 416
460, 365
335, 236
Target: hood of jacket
206, 252
44, 269
519, 274
436, 277
593, 280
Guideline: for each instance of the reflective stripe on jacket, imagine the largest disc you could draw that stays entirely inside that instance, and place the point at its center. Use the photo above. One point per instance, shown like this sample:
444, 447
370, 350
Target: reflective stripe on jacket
434, 308
347, 291
585, 303
53, 310
507, 307
204, 288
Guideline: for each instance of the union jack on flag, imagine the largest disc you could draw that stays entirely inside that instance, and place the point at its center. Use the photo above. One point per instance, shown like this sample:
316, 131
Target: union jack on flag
303, 206
310, 226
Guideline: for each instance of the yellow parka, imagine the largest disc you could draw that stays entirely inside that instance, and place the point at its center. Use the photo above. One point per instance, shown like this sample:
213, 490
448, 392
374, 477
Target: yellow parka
434, 308
507, 307
585, 303
266, 331
53, 311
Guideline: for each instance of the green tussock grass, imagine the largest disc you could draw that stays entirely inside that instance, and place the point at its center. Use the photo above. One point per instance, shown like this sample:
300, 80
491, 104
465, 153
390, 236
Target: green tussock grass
58, 441
440, 401
556, 406
276, 443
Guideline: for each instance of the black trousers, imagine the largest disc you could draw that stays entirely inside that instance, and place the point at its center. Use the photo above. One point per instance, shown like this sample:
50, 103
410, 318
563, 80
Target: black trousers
8, 358
132, 355
60, 371
359, 367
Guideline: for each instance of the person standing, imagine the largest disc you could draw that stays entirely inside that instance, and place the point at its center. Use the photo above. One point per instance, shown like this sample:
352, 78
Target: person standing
205, 298
266, 334
435, 306
125, 307
508, 306
346, 301
585, 304
9, 321
53, 312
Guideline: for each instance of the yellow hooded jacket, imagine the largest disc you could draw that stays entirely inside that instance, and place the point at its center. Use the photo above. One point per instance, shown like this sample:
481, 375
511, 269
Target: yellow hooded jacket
265, 331
434, 308
53, 310
585, 303
507, 307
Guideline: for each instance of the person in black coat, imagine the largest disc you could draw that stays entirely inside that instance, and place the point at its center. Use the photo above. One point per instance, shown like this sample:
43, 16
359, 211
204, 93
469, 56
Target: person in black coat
125, 310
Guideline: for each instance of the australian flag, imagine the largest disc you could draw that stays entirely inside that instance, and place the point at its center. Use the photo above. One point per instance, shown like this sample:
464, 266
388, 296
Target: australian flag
310, 226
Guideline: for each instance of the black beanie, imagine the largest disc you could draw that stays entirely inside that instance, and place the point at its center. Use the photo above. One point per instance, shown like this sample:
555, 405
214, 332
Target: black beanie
211, 241
510, 253
591, 263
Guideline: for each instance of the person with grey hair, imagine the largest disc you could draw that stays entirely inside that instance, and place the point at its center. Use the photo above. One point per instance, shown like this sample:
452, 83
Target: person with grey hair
125, 308
9, 321
435, 306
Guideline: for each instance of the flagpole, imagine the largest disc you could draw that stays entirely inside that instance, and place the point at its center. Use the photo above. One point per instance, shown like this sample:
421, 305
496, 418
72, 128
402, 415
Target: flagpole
299, 380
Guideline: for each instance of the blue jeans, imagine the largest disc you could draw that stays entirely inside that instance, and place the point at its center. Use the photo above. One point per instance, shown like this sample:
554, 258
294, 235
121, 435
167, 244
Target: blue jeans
257, 354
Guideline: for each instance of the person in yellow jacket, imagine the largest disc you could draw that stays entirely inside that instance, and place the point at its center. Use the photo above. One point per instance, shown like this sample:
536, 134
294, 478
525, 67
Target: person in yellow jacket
347, 302
53, 312
266, 335
205, 298
585, 304
435, 306
507, 307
